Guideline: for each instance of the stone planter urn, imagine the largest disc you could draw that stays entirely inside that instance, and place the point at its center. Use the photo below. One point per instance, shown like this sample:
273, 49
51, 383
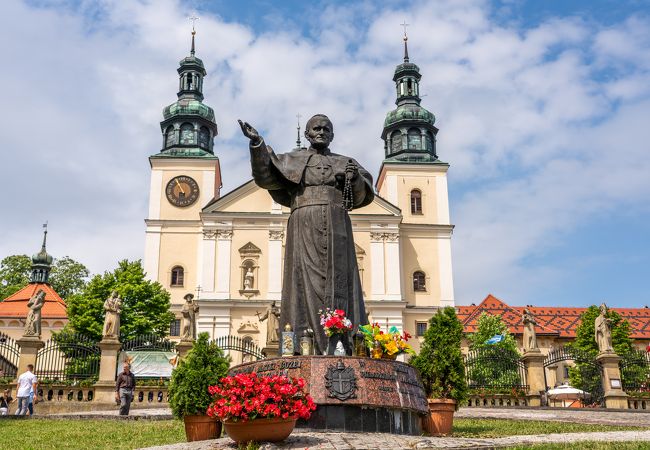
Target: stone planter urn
260, 430
201, 428
441, 417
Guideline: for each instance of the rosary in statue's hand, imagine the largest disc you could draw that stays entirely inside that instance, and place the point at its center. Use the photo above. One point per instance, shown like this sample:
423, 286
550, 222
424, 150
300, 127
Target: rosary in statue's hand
250, 132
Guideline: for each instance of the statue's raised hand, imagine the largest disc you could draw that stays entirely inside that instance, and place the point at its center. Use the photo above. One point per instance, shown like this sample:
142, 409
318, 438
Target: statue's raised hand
250, 132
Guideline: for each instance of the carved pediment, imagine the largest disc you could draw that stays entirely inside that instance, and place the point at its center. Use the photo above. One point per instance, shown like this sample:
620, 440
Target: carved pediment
250, 249
248, 327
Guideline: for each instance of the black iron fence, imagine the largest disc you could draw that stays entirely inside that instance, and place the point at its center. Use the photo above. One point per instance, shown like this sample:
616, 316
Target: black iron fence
66, 357
148, 342
235, 343
9, 354
635, 371
495, 369
585, 373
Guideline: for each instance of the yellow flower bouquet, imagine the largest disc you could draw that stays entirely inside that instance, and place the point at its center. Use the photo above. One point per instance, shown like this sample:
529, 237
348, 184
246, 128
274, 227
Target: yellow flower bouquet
385, 344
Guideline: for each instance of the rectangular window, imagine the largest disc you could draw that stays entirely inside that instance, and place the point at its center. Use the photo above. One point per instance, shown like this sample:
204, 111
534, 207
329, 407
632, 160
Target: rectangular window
175, 327
566, 372
420, 328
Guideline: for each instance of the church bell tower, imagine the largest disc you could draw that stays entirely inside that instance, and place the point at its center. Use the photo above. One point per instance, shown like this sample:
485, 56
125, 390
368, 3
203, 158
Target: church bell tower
185, 177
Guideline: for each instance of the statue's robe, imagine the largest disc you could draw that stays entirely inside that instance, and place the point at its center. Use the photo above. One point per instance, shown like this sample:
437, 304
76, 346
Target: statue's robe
320, 264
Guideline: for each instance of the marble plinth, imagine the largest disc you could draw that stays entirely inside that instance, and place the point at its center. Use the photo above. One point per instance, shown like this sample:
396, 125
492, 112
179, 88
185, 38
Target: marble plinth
353, 393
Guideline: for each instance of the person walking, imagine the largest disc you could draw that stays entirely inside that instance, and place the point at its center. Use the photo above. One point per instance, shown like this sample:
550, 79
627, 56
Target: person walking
26, 383
5, 401
124, 389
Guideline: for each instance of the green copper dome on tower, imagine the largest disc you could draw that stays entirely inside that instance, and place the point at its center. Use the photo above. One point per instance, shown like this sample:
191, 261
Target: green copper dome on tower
188, 125
409, 130
41, 263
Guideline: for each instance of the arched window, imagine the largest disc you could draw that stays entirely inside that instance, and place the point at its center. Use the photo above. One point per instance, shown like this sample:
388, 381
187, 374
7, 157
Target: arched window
396, 141
414, 139
169, 137
416, 201
429, 138
178, 276
204, 137
419, 281
188, 136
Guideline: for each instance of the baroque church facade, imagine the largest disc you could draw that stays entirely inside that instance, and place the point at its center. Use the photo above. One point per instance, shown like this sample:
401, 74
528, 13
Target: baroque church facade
228, 249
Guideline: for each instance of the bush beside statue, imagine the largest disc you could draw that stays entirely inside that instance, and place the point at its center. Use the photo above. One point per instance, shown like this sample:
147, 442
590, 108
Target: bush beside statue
189, 398
441, 367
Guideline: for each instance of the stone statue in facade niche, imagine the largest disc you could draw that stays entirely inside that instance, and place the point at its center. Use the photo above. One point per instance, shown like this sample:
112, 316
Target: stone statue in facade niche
603, 330
320, 264
113, 308
272, 326
530, 337
248, 279
189, 313
33, 322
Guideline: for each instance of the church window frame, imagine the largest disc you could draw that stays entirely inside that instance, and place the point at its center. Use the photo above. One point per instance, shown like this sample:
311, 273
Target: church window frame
204, 138
175, 327
419, 281
177, 277
416, 202
421, 328
187, 134
396, 141
414, 139
170, 136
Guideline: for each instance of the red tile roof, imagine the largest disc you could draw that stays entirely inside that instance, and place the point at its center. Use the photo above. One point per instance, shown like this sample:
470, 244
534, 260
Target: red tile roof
16, 304
551, 320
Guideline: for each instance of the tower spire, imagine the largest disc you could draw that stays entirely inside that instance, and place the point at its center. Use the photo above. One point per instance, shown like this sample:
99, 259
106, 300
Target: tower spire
298, 141
41, 262
406, 38
193, 19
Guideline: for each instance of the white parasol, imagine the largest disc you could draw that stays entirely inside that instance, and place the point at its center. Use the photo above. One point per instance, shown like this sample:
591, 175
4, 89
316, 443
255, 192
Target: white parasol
566, 392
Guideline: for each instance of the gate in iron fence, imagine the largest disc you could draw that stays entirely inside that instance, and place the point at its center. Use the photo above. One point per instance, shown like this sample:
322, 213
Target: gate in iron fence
587, 370
249, 350
148, 343
68, 356
635, 371
9, 354
496, 369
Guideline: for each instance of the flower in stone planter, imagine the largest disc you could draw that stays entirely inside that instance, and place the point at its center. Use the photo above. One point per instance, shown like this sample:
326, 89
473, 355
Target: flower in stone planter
245, 397
334, 321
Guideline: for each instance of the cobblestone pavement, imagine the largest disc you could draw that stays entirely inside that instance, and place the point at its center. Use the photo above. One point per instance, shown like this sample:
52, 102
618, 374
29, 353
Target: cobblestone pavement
631, 418
349, 441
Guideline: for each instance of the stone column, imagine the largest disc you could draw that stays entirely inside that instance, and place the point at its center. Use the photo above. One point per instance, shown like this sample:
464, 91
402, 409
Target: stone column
183, 348
105, 386
29, 347
615, 397
534, 363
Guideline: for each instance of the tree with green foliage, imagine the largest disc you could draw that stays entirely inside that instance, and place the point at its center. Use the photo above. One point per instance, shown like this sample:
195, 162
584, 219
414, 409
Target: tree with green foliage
145, 306
440, 361
67, 276
203, 367
493, 365
586, 376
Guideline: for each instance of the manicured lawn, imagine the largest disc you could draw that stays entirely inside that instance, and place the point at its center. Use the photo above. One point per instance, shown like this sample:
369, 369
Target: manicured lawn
589, 446
487, 428
88, 434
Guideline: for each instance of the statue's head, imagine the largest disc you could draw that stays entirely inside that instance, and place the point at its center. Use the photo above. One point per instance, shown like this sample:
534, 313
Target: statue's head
41, 294
114, 294
603, 308
319, 131
189, 297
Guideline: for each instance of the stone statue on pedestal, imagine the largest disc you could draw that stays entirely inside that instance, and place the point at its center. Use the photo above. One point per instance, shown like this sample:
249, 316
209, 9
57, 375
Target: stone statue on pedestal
273, 326
248, 279
113, 308
320, 187
189, 312
530, 337
603, 329
33, 322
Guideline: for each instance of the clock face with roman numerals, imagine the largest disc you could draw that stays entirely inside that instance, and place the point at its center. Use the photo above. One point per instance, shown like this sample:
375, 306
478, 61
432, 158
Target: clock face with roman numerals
182, 191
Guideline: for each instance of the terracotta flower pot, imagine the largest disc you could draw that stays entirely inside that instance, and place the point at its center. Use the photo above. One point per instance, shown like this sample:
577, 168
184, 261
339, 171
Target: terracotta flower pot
260, 430
441, 417
200, 428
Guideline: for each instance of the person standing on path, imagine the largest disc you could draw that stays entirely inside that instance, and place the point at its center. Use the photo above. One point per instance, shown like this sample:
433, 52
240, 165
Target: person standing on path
5, 401
124, 389
26, 383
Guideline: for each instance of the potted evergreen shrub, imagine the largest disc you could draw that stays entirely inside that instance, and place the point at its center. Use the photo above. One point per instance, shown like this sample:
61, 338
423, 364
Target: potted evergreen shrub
441, 367
189, 398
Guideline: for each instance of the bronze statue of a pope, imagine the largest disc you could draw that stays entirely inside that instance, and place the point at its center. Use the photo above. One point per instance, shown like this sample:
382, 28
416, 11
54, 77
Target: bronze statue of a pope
320, 264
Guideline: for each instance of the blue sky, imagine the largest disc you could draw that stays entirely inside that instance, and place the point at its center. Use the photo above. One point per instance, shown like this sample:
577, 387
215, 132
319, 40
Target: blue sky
542, 107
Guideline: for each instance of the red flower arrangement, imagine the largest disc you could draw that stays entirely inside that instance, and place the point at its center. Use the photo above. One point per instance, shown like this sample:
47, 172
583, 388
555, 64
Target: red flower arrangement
246, 397
334, 322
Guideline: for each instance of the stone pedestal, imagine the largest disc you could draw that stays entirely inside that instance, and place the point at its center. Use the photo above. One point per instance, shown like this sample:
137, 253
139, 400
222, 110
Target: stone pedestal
353, 393
29, 347
105, 386
183, 348
615, 397
272, 350
534, 362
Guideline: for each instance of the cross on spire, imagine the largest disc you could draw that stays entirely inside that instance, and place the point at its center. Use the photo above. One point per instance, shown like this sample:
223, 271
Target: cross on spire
193, 18
404, 24
406, 38
198, 291
298, 140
